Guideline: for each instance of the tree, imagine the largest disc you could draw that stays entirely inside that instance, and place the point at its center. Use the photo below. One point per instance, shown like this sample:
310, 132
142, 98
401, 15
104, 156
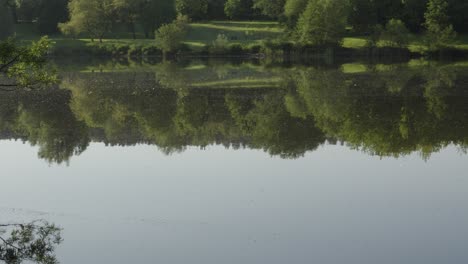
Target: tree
323, 22
387, 10
395, 34
154, 13
32, 242
27, 10
438, 23
270, 8
363, 16
50, 14
238, 8
195, 9
294, 8
94, 17
25, 66
413, 14
129, 12
458, 13
216, 9
170, 36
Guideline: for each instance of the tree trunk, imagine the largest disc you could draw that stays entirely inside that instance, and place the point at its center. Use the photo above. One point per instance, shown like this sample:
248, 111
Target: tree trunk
14, 14
133, 30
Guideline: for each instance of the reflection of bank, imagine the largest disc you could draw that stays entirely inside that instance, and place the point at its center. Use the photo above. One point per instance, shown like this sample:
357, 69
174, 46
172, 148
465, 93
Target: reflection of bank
384, 110
32, 242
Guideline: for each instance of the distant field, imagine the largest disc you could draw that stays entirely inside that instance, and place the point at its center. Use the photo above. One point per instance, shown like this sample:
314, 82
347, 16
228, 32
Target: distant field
202, 34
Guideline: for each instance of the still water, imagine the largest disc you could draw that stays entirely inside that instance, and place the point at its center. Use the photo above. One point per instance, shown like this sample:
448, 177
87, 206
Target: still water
221, 162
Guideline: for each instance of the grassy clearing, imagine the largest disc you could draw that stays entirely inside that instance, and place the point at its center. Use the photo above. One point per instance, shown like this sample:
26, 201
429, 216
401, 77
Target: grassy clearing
202, 34
242, 32
417, 43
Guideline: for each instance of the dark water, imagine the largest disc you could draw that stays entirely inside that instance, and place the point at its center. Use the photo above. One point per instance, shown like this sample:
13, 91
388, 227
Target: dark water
221, 162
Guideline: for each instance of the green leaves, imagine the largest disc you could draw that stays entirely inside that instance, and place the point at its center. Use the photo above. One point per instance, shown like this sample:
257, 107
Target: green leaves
323, 22
170, 36
25, 66
440, 30
34, 241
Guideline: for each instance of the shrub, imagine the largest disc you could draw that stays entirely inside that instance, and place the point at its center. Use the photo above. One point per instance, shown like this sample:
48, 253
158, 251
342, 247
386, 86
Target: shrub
236, 49
395, 34
255, 48
170, 36
440, 30
151, 51
220, 45
134, 51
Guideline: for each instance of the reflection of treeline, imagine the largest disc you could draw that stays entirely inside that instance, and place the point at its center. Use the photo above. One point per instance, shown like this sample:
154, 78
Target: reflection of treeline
386, 111
43, 118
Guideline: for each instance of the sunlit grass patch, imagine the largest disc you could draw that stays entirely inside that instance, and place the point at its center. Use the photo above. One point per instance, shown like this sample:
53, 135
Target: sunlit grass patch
354, 42
353, 68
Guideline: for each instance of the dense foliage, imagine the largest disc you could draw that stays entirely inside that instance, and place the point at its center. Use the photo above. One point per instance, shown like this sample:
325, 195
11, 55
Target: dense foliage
29, 242
25, 66
318, 22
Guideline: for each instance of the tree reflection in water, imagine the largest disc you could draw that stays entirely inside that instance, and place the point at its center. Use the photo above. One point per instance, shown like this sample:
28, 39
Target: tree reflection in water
386, 110
30, 242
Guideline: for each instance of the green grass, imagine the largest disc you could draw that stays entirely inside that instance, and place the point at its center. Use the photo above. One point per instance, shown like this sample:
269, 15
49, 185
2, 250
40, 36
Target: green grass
243, 32
202, 34
354, 42
416, 43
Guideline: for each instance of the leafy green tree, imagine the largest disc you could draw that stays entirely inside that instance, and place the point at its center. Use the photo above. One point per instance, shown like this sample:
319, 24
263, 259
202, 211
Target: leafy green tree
25, 66
154, 13
238, 8
50, 14
28, 10
363, 15
129, 13
169, 37
413, 14
323, 22
395, 34
458, 13
270, 8
29, 242
195, 9
294, 8
216, 9
94, 17
388, 9
438, 23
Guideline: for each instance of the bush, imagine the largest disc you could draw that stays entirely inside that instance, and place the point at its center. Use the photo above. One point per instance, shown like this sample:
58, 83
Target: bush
395, 34
255, 48
149, 51
134, 51
170, 36
236, 49
220, 45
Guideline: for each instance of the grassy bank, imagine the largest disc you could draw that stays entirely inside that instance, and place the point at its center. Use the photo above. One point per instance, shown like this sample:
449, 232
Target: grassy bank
244, 38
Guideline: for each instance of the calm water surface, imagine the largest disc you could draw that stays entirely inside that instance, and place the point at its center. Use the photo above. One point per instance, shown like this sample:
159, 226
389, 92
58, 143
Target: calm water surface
217, 162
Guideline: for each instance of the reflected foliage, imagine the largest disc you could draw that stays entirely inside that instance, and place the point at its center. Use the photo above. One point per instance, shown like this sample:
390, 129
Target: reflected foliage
31, 242
384, 110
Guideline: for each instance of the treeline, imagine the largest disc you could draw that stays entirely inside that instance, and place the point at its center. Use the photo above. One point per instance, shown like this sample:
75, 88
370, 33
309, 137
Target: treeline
360, 14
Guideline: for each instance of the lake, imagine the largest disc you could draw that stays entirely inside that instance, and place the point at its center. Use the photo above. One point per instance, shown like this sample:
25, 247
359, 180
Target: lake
212, 161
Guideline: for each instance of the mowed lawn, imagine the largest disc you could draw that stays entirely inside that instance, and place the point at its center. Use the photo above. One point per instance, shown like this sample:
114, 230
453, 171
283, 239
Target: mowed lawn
201, 34
244, 32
